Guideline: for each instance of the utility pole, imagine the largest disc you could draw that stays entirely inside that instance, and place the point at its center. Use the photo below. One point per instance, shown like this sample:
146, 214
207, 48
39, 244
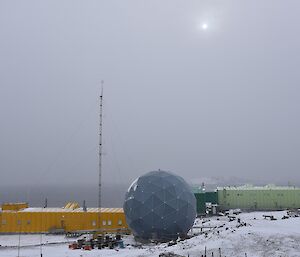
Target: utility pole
41, 235
19, 241
100, 151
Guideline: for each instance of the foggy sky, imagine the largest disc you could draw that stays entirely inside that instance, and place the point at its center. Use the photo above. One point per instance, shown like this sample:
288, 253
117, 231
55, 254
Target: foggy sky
218, 102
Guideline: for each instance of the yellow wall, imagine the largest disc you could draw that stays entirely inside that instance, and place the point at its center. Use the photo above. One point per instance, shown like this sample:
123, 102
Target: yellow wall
36, 222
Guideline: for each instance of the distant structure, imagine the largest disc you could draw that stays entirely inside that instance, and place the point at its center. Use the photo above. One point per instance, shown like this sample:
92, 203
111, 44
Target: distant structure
249, 198
160, 206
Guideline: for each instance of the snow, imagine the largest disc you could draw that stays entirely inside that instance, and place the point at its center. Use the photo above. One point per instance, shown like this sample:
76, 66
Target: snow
257, 237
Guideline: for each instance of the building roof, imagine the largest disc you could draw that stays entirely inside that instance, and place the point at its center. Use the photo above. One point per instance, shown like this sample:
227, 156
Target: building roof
251, 187
103, 210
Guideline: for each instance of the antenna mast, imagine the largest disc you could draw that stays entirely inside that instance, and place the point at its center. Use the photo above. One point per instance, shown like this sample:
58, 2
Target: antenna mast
100, 151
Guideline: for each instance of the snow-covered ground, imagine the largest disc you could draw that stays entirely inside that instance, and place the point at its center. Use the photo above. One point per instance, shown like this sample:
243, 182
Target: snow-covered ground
253, 236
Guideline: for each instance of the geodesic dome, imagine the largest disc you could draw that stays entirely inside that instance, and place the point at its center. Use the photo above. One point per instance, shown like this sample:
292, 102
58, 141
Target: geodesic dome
160, 205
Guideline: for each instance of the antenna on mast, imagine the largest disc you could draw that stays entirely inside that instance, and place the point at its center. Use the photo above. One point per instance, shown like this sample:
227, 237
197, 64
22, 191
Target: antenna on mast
100, 151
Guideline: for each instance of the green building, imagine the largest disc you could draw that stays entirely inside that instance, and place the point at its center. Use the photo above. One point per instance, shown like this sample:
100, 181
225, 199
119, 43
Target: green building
259, 198
249, 198
204, 199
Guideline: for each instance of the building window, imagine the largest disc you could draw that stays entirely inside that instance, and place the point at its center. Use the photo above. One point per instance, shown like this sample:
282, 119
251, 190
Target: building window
28, 222
3, 222
104, 222
18, 222
109, 222
119, 222
93, 223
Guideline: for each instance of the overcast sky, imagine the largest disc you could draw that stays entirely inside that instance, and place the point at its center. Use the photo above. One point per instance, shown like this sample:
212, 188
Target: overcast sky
200, 88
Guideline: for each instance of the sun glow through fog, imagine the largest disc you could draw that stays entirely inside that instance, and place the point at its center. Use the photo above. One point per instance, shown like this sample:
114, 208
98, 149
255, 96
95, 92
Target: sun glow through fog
204, 26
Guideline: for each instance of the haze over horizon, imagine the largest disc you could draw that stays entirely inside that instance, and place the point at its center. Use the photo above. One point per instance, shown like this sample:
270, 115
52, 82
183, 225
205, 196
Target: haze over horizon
200, 88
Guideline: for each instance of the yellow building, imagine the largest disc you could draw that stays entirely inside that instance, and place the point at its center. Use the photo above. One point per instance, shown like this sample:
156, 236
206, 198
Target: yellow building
14, 206
18, 218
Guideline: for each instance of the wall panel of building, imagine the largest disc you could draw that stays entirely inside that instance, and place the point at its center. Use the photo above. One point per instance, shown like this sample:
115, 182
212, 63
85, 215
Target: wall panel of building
36, 220
259, 198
